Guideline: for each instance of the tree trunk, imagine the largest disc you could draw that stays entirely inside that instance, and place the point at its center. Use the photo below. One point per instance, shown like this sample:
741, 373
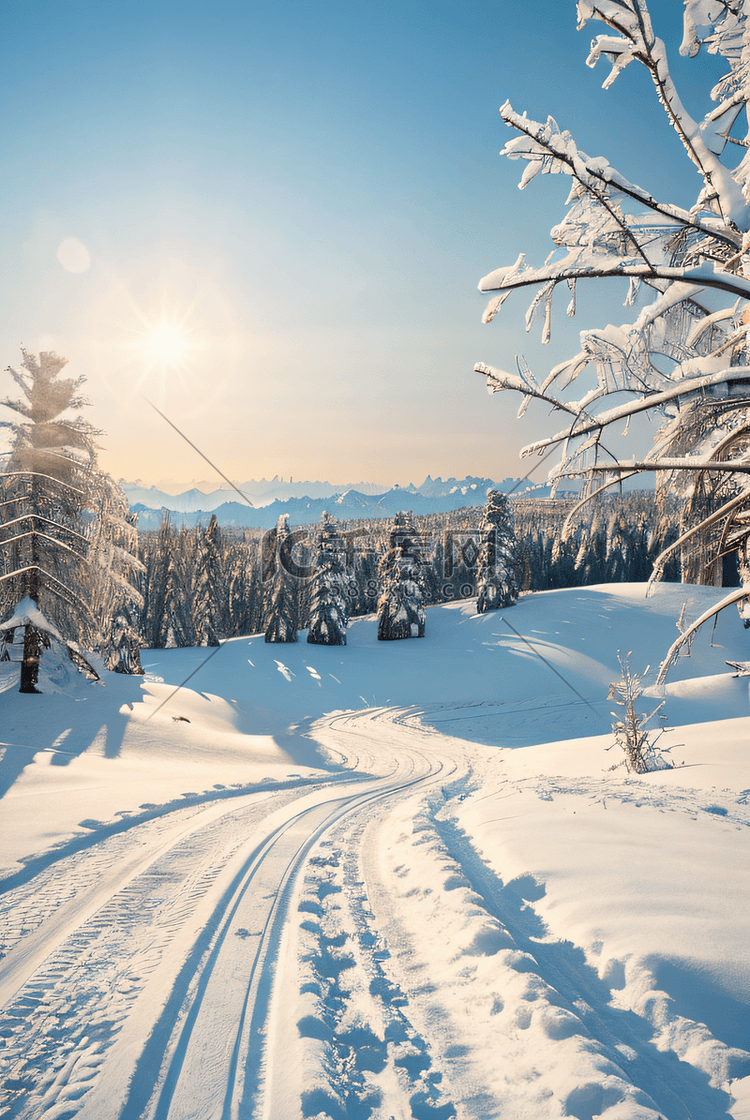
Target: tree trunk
30, 664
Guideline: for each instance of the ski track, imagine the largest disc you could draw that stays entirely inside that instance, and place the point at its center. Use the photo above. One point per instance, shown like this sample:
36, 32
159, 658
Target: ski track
261, 959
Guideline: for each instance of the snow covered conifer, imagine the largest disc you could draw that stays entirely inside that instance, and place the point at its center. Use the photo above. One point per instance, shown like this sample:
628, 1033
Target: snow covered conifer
124, 644
401, 611
57, 514
157, 553
497, 583
281, 614
208, 587
329, 608
175, 628
115, 600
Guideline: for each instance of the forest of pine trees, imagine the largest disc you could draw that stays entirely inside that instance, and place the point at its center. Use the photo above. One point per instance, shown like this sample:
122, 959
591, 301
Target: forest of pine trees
252, 589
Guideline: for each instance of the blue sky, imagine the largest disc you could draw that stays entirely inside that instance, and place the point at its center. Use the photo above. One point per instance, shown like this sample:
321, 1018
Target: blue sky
309, 194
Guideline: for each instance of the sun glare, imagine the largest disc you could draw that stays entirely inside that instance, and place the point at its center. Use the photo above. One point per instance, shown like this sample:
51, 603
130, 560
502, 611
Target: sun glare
166, 345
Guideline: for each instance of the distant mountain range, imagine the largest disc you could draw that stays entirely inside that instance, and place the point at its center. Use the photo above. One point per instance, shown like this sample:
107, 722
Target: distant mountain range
305, 502
260, 492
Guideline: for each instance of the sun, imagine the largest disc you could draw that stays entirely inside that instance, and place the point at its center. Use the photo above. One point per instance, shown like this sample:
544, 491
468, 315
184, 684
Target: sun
166, 345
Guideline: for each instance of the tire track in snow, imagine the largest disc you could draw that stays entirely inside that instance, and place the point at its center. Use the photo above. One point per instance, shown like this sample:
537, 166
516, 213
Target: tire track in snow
208, 1045
126, 914
341, 1043
23, 909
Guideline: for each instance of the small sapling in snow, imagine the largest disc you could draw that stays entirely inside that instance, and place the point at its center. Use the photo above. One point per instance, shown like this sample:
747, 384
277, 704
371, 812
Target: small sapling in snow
632, 733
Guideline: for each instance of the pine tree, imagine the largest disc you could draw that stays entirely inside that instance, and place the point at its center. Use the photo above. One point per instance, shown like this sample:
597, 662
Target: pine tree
401, 611
209, 619
116, 601
243, 595
175, 628
282, 610
156, 560
168, 621
57, 519
497, 583
329, 614
124, 644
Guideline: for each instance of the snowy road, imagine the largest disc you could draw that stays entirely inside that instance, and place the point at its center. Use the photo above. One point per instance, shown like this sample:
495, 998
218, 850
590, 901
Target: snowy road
139, 970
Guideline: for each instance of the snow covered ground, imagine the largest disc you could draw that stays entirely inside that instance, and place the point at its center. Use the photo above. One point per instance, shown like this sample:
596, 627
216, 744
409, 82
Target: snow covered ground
389, 880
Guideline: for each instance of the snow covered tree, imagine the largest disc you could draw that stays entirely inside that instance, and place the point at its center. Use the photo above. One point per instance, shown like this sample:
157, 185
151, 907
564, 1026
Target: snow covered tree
244, 595
209, 618
281, 616
116, 602
168, 616
124, 643
175, 627
686, 356
156, 557
58, 525
329, 611
401, 612
497, 585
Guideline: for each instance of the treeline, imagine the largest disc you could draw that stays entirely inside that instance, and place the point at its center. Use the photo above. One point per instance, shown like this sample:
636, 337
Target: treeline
201, 585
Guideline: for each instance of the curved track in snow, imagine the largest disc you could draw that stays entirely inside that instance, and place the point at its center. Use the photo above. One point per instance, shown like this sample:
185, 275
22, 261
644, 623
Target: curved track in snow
138, 972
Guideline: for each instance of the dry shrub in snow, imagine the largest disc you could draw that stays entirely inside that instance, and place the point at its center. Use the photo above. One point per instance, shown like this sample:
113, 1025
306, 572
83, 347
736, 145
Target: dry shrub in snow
632, 733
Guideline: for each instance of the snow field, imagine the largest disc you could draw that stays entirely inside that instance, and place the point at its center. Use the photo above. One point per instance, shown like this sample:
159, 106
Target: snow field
334, 892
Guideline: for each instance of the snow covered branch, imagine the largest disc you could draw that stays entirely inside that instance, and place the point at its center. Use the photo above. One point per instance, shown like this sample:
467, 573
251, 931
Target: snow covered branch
683, 359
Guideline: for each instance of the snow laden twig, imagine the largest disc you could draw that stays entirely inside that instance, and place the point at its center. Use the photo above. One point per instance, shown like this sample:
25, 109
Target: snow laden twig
736, 596
704, 142
550, 150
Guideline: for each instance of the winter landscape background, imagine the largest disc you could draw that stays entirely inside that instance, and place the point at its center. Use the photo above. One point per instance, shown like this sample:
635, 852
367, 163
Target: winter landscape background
369, 801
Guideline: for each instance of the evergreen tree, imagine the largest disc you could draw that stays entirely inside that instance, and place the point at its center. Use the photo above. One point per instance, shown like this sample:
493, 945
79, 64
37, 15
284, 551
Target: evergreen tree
168, 621
281, 616
124, 644
156, 560
116, 601
175, 628
328, 596
243, 596
497, 583
401, 611
366, 574
58, 525
209, 617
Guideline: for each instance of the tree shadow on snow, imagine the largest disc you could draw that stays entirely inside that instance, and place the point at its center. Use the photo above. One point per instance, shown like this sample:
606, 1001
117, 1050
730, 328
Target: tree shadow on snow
65, 725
